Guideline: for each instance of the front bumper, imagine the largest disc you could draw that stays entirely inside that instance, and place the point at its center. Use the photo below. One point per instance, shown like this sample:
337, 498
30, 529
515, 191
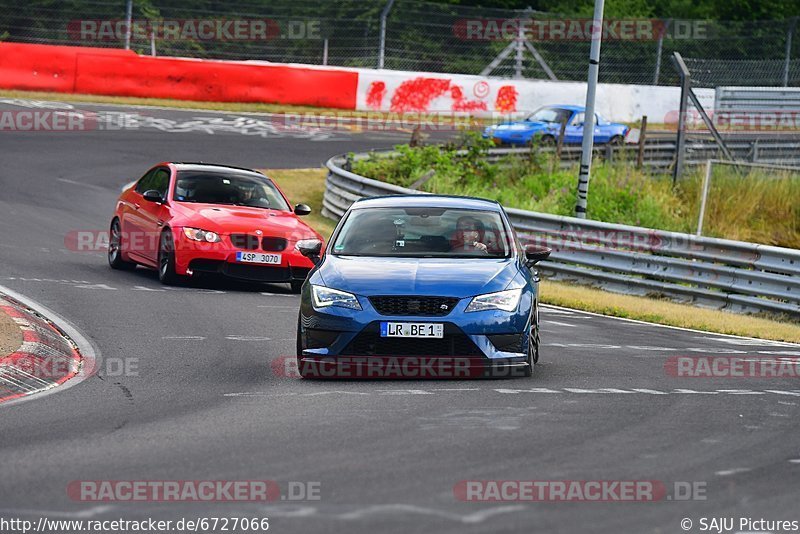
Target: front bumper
482, 337
193, 257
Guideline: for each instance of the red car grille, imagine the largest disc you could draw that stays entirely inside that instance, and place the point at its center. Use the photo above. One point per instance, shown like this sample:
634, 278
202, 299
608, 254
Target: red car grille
251, 242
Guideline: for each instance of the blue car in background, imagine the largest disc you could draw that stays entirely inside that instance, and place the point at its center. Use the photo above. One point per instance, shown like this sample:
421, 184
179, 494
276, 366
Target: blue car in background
544, 125
420, 280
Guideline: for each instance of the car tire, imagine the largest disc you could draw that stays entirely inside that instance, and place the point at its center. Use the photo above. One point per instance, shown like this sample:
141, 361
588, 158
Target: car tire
115, 248
300, 367
533, 342
617, 140
166, 260
297, 286
547, 140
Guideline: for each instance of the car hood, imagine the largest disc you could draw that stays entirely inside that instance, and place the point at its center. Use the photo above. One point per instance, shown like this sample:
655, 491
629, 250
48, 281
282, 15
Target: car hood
241, 219
521, 126
452, 277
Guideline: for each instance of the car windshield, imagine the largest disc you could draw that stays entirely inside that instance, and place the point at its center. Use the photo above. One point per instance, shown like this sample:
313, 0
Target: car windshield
423, 233
237, 189
550, 115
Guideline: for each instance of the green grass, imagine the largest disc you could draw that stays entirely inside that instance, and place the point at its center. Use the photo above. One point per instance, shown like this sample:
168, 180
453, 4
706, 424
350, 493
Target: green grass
759, 206
308, 185
305, 186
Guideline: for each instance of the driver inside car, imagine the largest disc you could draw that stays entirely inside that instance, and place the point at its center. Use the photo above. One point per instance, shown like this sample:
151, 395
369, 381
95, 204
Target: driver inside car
469, 236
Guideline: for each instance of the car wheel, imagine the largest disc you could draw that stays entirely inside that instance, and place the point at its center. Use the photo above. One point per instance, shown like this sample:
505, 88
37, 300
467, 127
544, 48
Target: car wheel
297, 286
115, 248
300, 367
617, 140
533, 342
547, 140
166, 260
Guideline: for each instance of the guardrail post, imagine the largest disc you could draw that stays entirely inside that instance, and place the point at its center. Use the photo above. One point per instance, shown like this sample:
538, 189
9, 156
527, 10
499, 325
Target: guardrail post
703, 199
560, 142
642, 138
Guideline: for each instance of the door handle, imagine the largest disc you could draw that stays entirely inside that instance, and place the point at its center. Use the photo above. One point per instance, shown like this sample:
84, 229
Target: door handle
136, 206
160, 223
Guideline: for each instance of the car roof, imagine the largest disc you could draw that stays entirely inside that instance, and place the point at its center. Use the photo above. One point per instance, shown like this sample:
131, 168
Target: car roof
212, 167
427, 201
569, 107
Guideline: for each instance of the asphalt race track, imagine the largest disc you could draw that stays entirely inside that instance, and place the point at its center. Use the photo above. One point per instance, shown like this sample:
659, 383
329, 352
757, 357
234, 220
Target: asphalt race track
203, 402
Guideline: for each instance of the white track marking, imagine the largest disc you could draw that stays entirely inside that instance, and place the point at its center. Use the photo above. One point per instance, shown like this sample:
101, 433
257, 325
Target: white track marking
636, 321
734, 471
548, 321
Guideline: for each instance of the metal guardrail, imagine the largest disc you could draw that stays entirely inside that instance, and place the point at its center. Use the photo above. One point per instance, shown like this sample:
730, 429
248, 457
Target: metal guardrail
706, 271
773, 99
659, 154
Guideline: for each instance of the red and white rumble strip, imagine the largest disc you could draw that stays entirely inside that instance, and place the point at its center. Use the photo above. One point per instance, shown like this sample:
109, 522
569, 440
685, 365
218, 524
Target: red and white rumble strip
46, 358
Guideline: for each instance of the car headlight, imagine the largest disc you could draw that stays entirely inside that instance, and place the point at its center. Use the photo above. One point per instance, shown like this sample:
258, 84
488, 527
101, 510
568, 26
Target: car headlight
196, 234
325, 296
305, 243
502, 300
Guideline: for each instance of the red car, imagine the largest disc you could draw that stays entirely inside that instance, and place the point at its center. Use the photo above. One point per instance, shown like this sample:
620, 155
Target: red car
189, 218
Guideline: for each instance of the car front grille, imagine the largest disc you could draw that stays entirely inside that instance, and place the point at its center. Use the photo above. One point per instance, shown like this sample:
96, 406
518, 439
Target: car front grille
370, 343
413, 306
244, 241
273, 244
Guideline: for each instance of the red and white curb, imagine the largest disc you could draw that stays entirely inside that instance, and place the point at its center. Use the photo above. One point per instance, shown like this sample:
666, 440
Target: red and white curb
52, 353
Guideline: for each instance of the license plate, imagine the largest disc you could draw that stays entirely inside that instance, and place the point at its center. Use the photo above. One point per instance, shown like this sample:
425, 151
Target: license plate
258, 257
434, 330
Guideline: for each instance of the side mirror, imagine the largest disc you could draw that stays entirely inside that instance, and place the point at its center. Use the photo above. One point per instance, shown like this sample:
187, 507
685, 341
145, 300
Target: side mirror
151, 195
310, 248
534, 254
302, 209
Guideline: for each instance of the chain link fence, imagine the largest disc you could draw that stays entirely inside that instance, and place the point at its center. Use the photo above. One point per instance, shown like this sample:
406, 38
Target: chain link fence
420, 36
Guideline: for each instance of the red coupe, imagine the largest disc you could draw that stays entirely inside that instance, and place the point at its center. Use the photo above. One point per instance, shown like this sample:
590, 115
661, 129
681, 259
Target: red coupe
189, 218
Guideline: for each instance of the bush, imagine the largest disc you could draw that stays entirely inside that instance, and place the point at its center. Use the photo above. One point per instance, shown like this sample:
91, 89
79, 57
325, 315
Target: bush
755, 207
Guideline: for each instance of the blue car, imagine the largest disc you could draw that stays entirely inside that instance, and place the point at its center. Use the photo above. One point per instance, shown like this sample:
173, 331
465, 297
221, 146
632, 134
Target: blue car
424, 283
545, 125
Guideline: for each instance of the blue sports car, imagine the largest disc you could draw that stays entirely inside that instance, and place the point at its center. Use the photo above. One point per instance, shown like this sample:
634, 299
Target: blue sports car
433, 286
545, 125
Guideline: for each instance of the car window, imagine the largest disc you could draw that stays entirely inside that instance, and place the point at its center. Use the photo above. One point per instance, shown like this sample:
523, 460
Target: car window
557, 115
160, 181
423, 232
578, 119
145, 181
240, 189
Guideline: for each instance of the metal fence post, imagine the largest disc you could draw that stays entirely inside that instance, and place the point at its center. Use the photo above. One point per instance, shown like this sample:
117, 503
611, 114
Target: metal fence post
659, 50
520, 52
382, 46
325, 51
680, 140
128, 22
787, 63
